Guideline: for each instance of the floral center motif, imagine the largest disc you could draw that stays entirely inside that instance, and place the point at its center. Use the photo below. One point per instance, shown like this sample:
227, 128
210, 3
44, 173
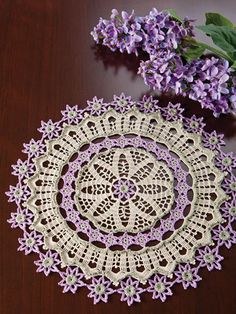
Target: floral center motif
209, 258
213, 140
97, 106
233, 186
47, 262
20, 218
100, 289
18, 193
187, 276
50, 128
232, 211
227, 161
160, 287
172, 111
71, 280
72, 114
23, 169
30, 242
33, 148
124, 189
148, 105
224, 235
122, 103
194, 124
130, 291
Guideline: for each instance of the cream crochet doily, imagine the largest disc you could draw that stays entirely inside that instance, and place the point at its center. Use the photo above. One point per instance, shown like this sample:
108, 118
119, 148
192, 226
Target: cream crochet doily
122, 194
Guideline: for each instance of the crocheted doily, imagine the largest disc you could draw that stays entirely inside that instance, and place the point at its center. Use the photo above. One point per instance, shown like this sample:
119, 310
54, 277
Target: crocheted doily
125, 197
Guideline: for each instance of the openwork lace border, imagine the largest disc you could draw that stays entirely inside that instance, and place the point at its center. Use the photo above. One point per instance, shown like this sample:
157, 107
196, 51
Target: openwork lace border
130, 289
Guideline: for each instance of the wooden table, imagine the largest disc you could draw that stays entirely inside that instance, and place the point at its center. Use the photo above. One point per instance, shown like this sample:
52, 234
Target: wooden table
48, 59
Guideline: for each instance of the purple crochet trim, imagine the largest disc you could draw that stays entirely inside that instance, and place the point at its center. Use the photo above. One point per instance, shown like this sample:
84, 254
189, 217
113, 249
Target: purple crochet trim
130, 290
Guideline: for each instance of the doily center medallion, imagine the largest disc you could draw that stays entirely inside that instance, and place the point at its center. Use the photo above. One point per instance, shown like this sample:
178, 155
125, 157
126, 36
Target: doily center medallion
110, 188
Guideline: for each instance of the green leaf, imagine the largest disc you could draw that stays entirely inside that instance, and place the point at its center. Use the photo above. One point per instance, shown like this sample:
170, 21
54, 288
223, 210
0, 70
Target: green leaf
174, 14
218, 19
222, 36
232, 54
193, 52
233, 65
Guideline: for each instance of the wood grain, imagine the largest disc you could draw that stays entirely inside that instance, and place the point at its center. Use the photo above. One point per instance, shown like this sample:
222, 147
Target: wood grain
48, 59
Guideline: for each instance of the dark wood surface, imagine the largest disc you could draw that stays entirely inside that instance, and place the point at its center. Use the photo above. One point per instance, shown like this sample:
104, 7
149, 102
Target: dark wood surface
48, 59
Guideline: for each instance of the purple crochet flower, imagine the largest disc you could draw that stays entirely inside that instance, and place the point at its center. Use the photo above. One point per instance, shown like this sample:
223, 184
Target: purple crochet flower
209, 258
17, 193
213, 140
33, 148
72, 114
21, 218
194, 124
124, 189
71, 279
130, 291
49, 129
122, 103
229, 185
187, 275
229, 210
96, 106
225, 161
172, 112
22, 169
48, 262
30, 242
224, 235
100, 289
160, 287
148, 104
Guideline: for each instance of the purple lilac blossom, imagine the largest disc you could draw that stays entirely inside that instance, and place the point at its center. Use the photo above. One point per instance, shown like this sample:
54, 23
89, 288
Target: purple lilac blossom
208, 81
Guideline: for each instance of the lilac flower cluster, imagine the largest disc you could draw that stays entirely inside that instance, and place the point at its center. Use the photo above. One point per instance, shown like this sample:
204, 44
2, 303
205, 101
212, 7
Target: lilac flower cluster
165, 39
207, 81
154, 32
